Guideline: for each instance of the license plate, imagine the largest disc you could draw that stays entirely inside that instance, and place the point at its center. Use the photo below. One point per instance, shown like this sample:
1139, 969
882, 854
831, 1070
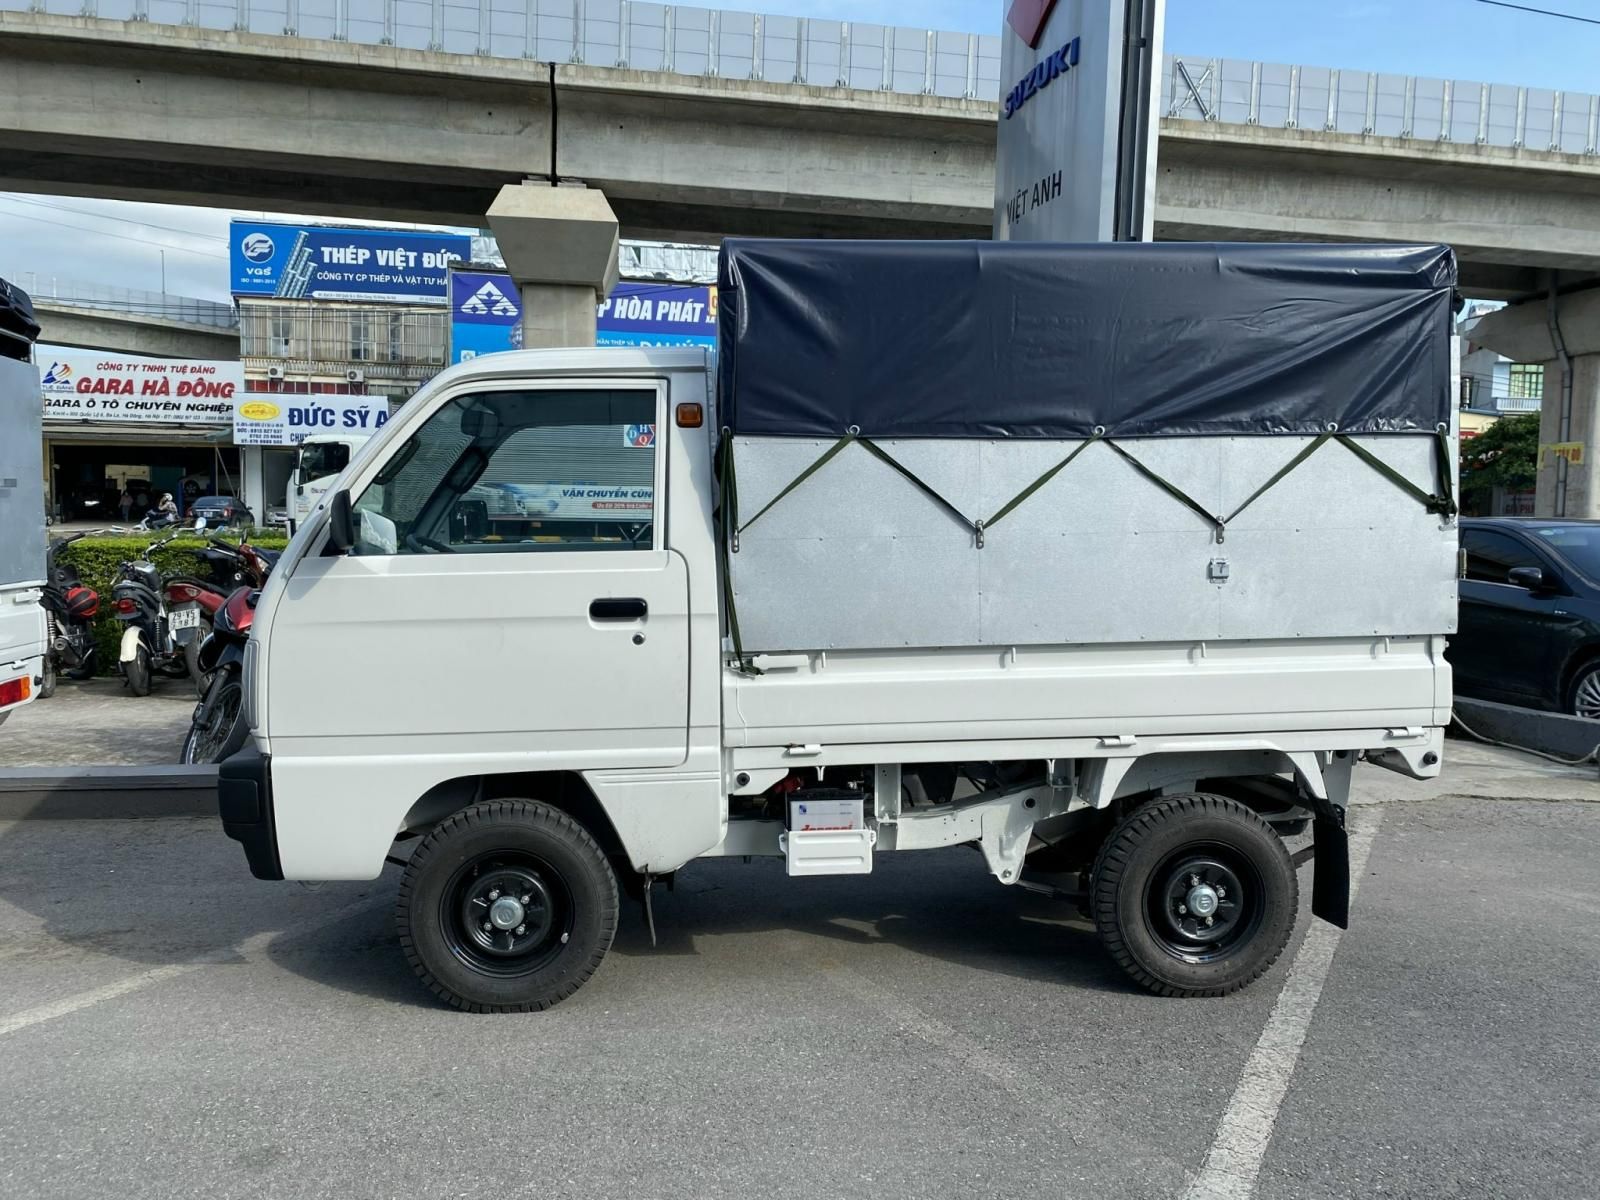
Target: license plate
185, 617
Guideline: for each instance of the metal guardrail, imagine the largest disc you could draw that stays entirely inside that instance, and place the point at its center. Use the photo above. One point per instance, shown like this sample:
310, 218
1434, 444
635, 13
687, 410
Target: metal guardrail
697, 41
610, 33
1238, 92
101, 297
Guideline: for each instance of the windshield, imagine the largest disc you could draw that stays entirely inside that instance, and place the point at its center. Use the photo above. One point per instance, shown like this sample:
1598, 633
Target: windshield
318, 459
1578, 544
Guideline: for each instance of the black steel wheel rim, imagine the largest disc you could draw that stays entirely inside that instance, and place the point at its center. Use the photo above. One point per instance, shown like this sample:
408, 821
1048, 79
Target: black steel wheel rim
1200, 881
506, 913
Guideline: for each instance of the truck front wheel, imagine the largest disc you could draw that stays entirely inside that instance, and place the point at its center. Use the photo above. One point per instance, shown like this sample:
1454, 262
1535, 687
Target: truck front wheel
1194, 895
507, 906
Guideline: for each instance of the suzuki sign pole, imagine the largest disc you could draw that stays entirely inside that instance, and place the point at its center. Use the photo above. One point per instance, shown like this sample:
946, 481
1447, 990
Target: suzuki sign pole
1078, 121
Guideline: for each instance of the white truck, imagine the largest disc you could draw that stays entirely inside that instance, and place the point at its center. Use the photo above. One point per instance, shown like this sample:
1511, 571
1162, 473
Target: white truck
319, 460
22, 541
1110, 561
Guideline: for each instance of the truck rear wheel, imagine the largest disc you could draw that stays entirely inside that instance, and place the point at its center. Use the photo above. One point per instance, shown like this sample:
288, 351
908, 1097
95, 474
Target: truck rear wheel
507, 906
1194, 895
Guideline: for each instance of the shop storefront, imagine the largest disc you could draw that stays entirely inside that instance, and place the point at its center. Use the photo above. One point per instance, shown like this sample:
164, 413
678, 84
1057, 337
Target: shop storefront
116, 423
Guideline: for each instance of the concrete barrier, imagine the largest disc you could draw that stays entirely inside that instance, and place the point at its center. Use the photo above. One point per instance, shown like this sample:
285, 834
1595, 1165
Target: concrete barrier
70, 793
1529, 728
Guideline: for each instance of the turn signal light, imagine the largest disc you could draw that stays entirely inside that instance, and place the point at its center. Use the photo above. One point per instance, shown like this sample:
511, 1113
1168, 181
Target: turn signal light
15, 691
691, 416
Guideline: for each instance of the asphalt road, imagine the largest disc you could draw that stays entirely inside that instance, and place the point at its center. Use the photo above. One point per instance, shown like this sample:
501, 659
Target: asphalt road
169, 1028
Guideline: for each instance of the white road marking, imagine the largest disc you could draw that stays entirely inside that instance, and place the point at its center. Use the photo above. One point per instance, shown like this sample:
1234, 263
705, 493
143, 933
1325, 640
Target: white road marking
246, 949
1233, 1163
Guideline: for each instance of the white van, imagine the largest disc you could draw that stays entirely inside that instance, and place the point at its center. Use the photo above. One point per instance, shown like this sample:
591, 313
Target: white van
1120, 627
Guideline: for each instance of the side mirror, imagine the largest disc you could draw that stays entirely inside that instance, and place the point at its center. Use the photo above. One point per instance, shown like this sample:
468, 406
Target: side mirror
1531, 578
199, 524
341, 529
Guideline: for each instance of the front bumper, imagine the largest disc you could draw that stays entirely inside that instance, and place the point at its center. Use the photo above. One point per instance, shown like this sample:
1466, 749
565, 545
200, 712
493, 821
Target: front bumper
244, 798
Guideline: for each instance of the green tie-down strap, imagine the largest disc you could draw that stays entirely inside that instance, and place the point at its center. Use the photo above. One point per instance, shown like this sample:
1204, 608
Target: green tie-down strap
728, 513
1444, 503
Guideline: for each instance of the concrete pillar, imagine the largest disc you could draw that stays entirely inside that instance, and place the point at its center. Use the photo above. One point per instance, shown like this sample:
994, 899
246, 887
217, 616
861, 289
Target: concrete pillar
1522, 332
1581, 479
560, 245
250, 483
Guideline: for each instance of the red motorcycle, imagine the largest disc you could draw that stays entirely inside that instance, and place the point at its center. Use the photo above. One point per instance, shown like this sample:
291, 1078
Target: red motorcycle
70, 608
191, 605
194, 602
218, 727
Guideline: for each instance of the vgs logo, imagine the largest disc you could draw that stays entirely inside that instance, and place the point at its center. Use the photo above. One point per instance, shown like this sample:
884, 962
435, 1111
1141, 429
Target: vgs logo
257, 247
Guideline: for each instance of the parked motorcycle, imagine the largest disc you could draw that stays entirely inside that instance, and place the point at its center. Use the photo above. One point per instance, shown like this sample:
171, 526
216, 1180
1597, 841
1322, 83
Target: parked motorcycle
228, 566
153, 612
231, 565
217, 728
69, 615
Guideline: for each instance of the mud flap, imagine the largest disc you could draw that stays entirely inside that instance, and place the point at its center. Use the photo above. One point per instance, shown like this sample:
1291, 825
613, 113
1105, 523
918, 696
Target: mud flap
1330, 881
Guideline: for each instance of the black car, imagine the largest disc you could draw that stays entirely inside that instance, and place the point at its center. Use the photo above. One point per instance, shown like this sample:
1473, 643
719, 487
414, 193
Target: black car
1530, 614
219, 510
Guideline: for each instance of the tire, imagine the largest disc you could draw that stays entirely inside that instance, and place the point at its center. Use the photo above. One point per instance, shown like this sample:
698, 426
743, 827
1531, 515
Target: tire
137, 672
517, 850
1143, 885
191, 662
1583, 697
218, 729
47, 677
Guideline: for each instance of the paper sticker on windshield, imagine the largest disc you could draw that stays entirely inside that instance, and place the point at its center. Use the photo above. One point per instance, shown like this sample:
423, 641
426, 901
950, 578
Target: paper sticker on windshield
640, 437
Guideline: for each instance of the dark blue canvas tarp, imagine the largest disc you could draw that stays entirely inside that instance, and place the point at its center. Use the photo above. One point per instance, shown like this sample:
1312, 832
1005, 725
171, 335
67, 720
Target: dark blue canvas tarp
1038, 340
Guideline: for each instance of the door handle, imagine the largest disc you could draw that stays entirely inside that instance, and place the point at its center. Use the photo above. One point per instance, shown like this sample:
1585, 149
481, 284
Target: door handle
616, 608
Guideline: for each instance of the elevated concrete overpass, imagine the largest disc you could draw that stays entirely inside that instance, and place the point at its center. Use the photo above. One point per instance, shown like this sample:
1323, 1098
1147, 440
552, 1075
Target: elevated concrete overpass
63, 323
180, 114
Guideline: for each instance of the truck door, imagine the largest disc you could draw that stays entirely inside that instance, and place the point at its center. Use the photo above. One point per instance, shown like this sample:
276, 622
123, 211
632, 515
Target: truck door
511, 592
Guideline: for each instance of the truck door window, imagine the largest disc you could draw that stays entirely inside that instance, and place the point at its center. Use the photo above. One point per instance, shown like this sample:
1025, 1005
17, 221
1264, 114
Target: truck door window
519, 471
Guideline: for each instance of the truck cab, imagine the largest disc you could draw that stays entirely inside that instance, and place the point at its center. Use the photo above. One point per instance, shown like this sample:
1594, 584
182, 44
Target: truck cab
319, 460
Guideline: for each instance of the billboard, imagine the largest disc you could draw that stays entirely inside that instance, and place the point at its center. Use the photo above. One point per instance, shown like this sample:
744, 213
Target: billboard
90, 385
282, 419
321, 262
486, 312
658, 314
1075, 155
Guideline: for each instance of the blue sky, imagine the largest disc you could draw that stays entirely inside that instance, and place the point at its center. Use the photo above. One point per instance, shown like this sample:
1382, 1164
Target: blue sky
44, 240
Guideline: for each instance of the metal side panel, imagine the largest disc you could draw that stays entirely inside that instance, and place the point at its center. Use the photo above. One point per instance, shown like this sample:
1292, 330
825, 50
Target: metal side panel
1095, 691
858, 557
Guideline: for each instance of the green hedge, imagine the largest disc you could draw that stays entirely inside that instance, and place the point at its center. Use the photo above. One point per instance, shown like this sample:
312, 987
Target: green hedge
99, 560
